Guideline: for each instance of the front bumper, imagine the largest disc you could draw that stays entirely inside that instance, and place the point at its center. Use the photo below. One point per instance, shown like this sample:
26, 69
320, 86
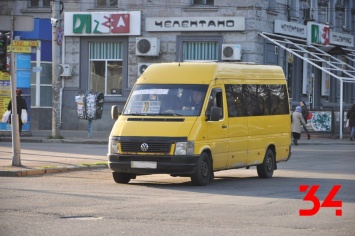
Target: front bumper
174, 165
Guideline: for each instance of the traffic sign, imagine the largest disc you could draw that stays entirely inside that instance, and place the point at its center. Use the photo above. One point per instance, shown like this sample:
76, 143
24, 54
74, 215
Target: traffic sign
60, 36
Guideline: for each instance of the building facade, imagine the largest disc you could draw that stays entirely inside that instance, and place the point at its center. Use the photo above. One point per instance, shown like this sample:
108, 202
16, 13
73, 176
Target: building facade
106, 45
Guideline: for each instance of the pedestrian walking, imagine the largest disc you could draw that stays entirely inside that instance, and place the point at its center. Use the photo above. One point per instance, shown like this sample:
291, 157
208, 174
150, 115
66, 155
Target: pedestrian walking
297, 122
304, 115
21, 104
351, 116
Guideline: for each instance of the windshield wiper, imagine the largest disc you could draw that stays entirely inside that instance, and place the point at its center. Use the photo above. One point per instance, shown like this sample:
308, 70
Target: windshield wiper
169, 113
137, 114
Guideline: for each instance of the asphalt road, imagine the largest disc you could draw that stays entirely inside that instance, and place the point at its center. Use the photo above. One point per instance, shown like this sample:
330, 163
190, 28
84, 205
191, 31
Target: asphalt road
237, 202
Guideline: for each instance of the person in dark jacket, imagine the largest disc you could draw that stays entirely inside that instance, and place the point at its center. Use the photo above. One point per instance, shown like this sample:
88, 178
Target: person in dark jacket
351, 116
21, 104
304, 115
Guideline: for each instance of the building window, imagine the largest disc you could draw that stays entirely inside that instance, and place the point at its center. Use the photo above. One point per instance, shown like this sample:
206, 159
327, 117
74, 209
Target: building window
272, 5
106, 3
199, 48
294, 9
347, 15
106, 68
40, 3
43, 87
207, 51
203, 2
330, 13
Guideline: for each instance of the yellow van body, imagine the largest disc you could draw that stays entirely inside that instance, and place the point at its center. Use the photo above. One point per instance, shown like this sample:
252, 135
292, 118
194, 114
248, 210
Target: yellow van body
243, 121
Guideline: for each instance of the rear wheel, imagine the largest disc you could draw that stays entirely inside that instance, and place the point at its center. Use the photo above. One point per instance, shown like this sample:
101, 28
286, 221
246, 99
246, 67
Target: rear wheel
266, 169
203, 173
121, 178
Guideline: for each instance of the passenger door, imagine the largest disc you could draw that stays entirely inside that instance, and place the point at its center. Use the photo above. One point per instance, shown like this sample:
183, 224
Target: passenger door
217, 131
238, 126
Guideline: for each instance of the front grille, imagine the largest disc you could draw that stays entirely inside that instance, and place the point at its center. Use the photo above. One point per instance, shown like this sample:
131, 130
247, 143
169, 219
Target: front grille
152, 147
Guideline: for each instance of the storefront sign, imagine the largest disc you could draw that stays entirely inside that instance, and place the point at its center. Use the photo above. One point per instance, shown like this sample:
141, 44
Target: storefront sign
25, 43
22, 46
318, 34
290, 28
346, 40
19, 49
102, 23
195, 24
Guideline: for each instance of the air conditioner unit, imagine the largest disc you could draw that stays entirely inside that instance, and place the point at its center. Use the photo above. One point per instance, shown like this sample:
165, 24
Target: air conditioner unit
231, 52
65, 70
142, 67
147, 47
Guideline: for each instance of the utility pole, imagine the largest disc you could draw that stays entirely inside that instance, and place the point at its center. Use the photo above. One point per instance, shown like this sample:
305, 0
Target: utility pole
55, 21
16, 149
15, 23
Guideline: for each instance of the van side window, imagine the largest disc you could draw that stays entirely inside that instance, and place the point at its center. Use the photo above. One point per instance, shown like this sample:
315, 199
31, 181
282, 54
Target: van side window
215, 100
235, 101
256, 99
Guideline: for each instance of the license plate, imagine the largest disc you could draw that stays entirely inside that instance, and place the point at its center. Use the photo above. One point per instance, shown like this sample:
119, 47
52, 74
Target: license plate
144, 164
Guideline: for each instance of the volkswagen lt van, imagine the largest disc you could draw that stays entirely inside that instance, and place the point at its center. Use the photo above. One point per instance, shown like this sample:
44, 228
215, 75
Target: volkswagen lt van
192, 119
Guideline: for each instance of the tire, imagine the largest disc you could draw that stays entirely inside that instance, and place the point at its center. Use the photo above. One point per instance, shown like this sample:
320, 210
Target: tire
121, 178
204, 172
266, 169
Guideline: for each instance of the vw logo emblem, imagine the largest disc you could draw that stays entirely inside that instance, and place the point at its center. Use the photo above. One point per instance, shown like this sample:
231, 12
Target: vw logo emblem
144, 147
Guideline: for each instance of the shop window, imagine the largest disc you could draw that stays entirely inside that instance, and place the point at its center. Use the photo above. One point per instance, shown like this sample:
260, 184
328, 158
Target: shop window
42, 89
39, 3
106, 68
203, 2
106, 3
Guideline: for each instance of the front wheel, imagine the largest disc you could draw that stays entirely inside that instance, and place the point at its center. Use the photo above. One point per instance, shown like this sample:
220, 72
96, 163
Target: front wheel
204, 171
266, 169
121, 178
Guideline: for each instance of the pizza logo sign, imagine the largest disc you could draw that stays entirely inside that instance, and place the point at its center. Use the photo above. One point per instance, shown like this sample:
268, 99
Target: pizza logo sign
320, 34
101, 23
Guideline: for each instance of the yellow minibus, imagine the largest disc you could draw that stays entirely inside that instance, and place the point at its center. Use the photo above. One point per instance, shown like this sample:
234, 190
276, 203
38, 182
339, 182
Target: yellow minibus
194, 118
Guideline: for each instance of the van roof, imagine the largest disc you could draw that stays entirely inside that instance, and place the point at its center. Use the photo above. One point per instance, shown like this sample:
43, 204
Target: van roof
204, 72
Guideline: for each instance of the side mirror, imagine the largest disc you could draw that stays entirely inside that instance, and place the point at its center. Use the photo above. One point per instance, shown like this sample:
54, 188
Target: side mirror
215, 111
115, 112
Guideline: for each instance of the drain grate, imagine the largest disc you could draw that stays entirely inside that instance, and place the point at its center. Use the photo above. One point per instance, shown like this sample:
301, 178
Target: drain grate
81, 218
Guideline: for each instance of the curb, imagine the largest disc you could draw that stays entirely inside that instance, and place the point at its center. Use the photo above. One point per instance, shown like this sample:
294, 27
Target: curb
74, 141
28, 172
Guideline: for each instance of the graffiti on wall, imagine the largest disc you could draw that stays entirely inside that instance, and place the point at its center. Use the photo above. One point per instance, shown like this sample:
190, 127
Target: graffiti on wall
321, 121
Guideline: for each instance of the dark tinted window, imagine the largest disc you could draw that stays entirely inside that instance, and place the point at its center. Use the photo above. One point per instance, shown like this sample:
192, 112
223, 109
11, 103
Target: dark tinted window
203, 2
256, 99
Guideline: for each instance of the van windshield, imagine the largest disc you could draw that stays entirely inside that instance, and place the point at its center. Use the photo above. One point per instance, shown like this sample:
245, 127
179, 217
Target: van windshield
166, 100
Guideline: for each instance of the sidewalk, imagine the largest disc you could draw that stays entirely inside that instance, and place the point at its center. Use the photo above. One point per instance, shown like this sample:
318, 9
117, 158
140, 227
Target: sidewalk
45, 163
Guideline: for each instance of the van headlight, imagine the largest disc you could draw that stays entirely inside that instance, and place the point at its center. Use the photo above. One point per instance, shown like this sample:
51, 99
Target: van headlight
113, 145
184, 148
